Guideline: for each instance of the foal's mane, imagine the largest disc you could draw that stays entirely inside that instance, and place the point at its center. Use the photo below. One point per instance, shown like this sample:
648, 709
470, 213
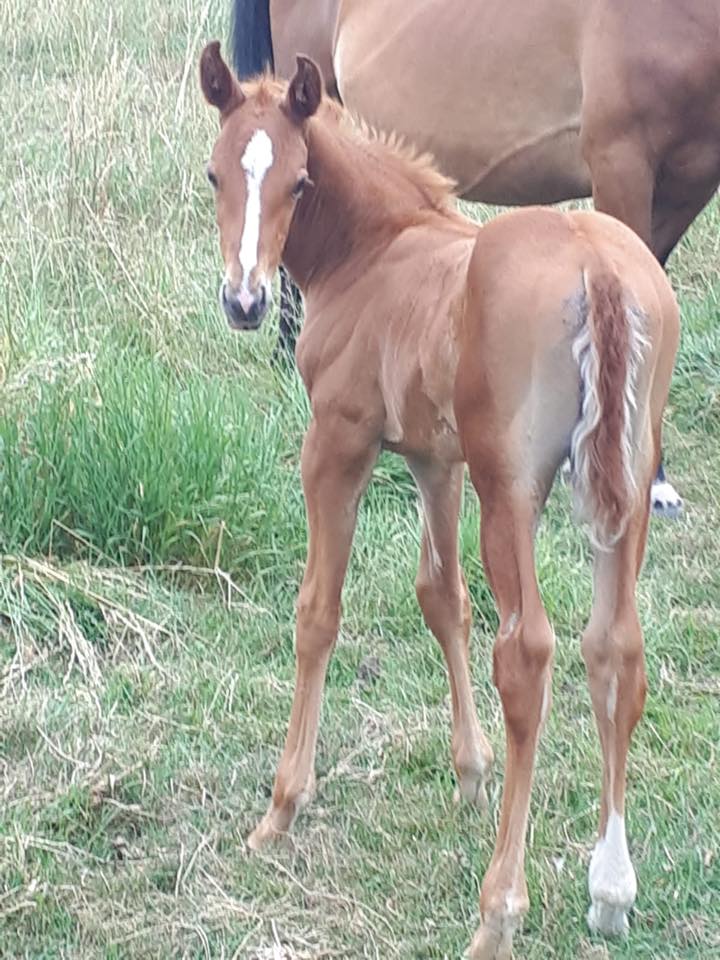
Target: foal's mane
389, 149
418, 168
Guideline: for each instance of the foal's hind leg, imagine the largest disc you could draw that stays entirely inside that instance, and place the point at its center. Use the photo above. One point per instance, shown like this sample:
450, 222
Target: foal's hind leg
613, 651
522, 673
443, 597
337, 461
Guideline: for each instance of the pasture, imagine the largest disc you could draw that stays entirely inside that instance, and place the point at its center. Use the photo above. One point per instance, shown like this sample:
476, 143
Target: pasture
152, 538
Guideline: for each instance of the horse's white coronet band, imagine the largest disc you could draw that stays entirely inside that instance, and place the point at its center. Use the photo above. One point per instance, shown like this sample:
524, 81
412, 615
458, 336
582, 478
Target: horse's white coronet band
665, 494
256, 161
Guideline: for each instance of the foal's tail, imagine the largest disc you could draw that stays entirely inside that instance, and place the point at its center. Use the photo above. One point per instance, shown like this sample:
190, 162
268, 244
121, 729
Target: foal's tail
609, 351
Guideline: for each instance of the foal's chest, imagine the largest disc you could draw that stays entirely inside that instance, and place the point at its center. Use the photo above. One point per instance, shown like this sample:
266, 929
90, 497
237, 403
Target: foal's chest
385, 348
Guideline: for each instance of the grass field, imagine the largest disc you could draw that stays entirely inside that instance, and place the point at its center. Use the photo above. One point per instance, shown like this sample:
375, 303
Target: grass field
151, 544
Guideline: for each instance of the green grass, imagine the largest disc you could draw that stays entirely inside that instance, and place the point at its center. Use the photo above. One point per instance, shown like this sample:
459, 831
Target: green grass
152, 538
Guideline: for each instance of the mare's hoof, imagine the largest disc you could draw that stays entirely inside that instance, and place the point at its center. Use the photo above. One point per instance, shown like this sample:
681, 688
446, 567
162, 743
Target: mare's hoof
666, 501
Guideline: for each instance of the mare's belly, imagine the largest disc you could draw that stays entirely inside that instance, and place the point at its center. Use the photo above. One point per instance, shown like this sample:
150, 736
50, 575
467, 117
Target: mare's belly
492, 89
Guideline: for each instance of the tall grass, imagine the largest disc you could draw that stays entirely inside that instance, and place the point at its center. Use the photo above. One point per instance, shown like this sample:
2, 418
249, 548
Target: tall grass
143, 467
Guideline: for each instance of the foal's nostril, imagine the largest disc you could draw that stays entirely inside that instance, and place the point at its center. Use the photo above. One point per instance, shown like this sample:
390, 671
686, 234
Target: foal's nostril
244, 310
231, 304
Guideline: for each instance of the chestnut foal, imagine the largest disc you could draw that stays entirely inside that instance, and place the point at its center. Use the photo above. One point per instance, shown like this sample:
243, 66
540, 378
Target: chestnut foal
508, 347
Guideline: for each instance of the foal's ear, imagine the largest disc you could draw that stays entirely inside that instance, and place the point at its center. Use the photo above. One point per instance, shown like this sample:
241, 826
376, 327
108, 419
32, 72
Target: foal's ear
305, 90
221, 89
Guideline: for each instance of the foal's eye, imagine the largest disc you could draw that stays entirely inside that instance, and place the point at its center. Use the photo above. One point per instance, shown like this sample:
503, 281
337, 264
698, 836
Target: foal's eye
212, 178
300, 185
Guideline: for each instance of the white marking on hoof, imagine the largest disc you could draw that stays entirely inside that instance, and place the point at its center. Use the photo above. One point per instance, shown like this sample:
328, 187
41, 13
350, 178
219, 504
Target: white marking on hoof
611, 881
665, 500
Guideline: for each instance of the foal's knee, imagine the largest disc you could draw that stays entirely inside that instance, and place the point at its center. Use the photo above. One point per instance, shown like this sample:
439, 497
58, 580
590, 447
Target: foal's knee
316, 625
522, 658
615, 663
444, 603
608, 644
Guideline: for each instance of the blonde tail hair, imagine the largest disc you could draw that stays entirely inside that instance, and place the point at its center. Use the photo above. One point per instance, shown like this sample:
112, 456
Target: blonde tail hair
609, 351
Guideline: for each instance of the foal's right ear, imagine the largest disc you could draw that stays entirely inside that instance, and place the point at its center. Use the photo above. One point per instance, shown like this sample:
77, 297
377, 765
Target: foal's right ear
221, 89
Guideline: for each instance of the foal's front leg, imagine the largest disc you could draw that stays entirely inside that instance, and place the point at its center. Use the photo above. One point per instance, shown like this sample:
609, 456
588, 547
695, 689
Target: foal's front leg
336, 465
443, 598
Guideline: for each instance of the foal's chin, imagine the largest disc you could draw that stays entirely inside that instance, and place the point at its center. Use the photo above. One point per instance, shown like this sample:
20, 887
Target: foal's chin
246, 325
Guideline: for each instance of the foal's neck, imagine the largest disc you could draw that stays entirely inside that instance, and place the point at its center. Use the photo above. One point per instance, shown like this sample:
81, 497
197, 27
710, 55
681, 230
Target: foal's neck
363, 194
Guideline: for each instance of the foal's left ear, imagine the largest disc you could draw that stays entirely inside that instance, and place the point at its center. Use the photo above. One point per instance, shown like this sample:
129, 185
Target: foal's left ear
221, 89
305, 90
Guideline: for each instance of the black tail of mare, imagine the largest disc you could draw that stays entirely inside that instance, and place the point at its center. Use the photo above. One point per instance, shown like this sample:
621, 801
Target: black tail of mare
252, 54
251, 38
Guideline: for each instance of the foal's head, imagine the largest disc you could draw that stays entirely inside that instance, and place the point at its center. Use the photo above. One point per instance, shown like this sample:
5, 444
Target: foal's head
258, 172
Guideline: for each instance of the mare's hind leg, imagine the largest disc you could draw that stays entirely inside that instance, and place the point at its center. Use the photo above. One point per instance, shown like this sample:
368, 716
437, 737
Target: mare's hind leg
675, 205
443, 598
612, 647
623, 182
337, 460
522, 662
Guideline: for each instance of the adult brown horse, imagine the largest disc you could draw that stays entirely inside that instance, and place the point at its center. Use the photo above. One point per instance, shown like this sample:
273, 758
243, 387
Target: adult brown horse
525, 102
507, 346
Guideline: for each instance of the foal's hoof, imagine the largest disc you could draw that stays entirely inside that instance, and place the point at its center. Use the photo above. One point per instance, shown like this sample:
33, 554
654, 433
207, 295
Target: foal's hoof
265, 833
471, 788
493, 938
278, 820
666, 501
274, 826
473, 764
609, 919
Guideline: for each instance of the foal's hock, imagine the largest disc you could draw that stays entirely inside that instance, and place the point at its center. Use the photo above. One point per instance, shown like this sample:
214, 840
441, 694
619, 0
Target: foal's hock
507, 347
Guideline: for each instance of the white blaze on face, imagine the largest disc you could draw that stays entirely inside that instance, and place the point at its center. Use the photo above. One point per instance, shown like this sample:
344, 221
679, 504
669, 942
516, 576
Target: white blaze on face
256, 161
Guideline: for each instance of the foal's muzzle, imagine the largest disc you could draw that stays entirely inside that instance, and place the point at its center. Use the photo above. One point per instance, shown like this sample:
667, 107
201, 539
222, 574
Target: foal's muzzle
244, 310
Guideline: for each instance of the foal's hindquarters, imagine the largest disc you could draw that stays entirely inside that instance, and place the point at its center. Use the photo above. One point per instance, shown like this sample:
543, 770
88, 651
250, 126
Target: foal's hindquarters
566, 346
